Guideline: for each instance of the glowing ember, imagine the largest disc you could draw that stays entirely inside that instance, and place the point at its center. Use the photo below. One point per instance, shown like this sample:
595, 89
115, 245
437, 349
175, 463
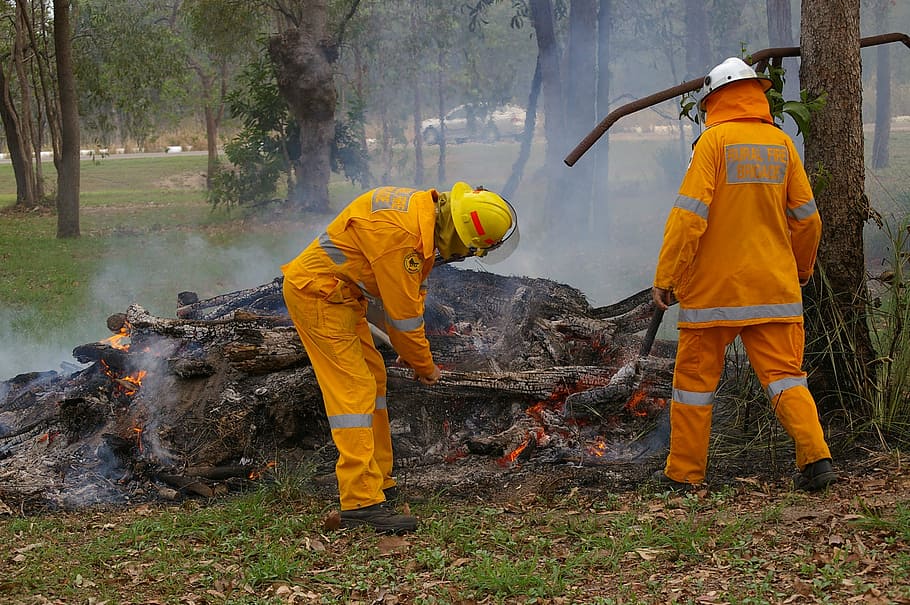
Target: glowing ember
257, 474
598, 447
634, 403
511, 456
137, 431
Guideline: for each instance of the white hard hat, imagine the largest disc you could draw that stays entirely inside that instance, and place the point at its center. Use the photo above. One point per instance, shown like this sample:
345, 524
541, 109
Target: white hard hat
730, 70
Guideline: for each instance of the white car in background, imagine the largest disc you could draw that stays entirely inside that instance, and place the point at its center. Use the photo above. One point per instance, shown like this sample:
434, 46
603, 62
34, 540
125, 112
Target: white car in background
507, 121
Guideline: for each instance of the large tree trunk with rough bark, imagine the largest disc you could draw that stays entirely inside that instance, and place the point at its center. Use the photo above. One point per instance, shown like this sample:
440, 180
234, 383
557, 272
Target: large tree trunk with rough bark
19, 150
303, 57
838, 340
68, 167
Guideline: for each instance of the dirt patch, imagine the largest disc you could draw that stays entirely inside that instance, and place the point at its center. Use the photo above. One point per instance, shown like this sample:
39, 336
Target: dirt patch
182, 182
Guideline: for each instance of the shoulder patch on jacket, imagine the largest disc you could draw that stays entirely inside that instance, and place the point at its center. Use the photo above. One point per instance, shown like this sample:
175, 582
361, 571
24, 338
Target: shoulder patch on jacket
413, 262
391, 198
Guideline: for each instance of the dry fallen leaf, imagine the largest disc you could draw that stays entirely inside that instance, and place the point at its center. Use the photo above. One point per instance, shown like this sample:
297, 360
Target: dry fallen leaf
390, 544
332, 521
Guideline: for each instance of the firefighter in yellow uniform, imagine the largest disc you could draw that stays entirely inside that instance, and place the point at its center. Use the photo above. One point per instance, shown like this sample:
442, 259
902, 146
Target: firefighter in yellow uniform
739, 242
380, 248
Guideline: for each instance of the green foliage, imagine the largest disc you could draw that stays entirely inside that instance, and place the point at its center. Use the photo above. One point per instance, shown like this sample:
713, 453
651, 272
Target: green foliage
268, 144
130, 69
799, 111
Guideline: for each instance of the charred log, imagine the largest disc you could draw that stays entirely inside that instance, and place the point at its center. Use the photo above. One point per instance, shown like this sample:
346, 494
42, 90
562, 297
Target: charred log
199, 403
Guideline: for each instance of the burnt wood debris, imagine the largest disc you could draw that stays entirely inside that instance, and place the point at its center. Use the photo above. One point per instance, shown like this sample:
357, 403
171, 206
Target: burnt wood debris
222, 395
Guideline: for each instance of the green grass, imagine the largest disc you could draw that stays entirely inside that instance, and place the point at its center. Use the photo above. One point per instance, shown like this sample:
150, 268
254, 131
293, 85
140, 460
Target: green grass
641, 547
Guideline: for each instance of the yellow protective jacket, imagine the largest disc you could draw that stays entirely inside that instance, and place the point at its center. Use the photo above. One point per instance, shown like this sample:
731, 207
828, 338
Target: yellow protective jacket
381, 247
744, 231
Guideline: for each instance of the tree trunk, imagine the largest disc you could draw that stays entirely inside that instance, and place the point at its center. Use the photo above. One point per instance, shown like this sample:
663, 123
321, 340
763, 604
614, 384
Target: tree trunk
303, 58
698, 49
20, 155
581, 93
698, 62
880, 154
554, 110
68, 170
418, 139
441, 107
602, 108
21, 48
780, 34
527, 136
838, 340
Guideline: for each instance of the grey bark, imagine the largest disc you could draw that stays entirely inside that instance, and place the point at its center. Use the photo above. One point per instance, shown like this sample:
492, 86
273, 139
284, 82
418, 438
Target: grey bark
836, 322
880, 155
303, 56
581, 96
68, 168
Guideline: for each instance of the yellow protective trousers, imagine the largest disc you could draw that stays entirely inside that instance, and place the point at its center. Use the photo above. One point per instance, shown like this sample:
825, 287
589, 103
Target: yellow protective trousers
351, 373
775, 351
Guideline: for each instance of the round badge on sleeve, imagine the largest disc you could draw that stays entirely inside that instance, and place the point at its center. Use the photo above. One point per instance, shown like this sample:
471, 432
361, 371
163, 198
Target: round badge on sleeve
413, 262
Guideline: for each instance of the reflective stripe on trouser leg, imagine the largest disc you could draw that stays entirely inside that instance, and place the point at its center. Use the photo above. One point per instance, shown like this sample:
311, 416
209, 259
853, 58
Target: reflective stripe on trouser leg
776, 353
699, 363
382, 434
328, 332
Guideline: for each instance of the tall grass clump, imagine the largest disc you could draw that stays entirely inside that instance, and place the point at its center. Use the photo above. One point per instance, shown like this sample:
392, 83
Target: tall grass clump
889, 327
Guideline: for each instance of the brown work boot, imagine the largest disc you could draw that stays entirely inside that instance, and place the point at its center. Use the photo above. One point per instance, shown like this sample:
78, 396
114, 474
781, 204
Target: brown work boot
816, 476
381, 517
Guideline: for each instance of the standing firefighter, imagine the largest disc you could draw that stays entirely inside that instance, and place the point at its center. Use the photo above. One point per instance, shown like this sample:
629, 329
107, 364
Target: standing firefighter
738, 244
380, 249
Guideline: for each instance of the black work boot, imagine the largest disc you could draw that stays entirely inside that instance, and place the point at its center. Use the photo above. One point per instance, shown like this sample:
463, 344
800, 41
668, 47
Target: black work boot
381, 517
660, 479
393, 495
816, 476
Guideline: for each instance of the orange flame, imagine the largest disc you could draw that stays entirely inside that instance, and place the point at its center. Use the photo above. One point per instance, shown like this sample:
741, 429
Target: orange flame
115, 340
128, 385
137, 431
257, 474
133, 379
511, 456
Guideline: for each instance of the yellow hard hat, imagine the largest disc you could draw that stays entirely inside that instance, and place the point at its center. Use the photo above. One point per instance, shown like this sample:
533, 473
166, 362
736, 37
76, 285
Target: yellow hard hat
482, 218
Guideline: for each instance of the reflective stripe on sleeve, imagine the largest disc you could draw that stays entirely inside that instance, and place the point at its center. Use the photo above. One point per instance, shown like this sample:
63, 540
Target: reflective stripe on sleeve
692, 205
351, 421
405, 325
693, 397
779, 386
380, 402
803, 211
332, 251
698, 316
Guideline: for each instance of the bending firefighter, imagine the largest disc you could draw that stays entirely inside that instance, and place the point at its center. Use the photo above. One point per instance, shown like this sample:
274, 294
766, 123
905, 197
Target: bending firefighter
380, 251
738, 244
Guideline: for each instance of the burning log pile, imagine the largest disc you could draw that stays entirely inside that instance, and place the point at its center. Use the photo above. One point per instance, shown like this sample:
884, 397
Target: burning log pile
213, 398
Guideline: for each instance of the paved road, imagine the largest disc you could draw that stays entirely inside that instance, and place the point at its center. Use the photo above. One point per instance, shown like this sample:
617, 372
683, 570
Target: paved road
122, 156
